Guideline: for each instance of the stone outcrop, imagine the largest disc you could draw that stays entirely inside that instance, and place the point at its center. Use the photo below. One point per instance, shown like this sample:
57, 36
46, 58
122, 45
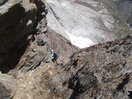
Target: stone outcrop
39, 50
18, 20
101, 71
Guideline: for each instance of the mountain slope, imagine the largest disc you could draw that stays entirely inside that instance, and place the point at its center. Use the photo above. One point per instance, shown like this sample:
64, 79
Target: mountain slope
89, 22
101, 71
84, 23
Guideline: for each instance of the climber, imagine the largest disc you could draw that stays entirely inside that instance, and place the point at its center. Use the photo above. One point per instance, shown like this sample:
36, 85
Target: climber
54, 56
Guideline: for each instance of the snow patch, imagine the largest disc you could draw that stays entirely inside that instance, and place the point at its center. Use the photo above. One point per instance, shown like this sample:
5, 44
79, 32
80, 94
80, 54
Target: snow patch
80, 41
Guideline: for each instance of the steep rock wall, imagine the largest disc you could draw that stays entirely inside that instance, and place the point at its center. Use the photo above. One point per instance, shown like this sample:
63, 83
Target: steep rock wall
18, 20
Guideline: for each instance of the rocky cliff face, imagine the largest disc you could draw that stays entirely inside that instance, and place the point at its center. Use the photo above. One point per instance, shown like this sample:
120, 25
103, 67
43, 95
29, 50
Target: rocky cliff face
102, 71
98, 72
18, 20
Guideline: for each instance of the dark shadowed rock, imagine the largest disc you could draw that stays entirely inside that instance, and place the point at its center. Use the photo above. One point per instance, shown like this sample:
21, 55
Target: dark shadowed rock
19, 19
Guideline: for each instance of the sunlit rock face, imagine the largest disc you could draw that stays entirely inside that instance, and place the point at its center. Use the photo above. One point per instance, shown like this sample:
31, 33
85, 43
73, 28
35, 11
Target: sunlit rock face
83, 22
